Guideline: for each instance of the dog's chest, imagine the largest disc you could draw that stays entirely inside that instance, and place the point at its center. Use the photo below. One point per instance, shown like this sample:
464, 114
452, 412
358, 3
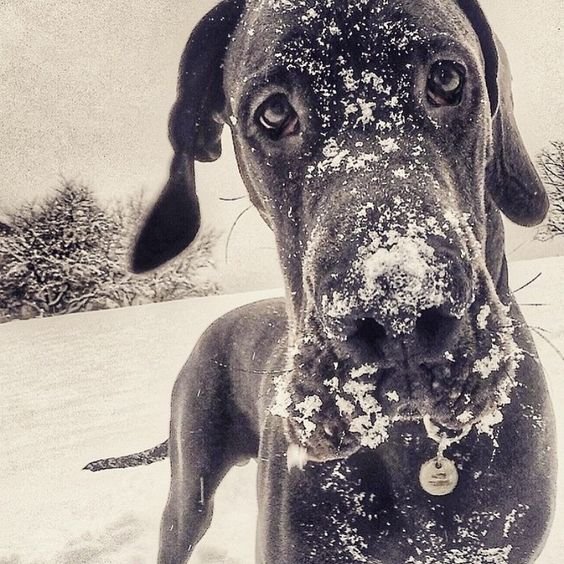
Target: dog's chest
372, 509
355, 521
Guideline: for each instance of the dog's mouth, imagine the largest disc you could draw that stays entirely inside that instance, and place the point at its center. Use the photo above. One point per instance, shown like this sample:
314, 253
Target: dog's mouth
334, 407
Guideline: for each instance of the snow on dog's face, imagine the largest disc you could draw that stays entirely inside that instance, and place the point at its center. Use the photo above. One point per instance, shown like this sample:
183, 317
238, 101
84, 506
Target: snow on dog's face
363, 132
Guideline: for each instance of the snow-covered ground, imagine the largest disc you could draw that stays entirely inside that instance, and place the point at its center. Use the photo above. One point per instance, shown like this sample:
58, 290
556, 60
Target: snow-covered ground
86, 386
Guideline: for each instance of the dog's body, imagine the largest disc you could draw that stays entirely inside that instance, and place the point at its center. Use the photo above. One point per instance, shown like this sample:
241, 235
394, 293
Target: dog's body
370, 507
376, 139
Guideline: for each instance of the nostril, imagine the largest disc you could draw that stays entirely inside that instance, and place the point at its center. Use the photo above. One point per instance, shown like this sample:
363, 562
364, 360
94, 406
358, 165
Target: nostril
433, 327
370, 331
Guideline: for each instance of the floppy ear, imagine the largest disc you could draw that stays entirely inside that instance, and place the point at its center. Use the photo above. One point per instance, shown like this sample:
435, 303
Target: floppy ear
512, 179
174, 220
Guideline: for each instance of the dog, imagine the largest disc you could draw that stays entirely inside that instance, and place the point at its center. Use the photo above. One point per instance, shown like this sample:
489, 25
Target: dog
393, 400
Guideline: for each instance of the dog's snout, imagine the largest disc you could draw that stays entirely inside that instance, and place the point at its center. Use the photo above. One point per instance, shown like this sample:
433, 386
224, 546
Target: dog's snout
399, 306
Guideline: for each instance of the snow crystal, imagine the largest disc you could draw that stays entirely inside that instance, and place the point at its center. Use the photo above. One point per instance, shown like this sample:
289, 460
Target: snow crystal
366, 111
488, 421
340, 159
345, 406
371, 425
334, 29
389, 145
503, 353
282, 398
509, 522
310, 15
400, 173
296, 457
466, 555
307, 409
350, 83
364, 370
449, 356
332, 383
483, 315
491, 363
465, 417
393, 396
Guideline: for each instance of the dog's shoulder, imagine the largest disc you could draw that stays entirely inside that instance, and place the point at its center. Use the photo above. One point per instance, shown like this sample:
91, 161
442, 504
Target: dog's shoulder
247, 328
269, 312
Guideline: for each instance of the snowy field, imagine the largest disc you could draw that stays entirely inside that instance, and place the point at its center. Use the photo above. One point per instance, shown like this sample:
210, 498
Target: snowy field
92, 385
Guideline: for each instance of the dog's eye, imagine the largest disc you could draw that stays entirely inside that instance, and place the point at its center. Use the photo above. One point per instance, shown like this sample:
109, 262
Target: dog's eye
277, 117
445, 83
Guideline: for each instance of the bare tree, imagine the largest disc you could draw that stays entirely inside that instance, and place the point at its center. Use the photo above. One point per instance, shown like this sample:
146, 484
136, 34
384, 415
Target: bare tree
551, 162
52, 255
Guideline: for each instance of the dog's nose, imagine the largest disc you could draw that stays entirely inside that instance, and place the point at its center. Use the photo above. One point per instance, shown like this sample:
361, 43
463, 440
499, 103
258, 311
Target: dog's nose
434, 330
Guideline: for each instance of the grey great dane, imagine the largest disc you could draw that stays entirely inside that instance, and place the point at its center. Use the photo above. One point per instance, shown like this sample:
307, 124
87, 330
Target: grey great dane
394, 400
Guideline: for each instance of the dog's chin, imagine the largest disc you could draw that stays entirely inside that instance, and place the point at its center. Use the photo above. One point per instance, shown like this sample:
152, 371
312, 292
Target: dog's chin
322, 446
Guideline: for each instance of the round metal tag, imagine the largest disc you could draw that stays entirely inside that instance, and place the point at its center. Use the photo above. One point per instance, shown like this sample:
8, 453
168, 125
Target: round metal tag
438, 476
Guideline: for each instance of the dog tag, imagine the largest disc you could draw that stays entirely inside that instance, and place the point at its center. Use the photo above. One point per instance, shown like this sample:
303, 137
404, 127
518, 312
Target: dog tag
439, 476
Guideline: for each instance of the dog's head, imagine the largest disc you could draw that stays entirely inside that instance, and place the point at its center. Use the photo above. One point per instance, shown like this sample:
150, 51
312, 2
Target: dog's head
377, 140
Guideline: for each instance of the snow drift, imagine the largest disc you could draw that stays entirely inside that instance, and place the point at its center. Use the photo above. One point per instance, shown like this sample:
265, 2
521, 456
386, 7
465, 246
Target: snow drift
87, 386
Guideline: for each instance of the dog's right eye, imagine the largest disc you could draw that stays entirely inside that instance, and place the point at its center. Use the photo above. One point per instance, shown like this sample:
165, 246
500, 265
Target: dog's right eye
445, 84
277, 118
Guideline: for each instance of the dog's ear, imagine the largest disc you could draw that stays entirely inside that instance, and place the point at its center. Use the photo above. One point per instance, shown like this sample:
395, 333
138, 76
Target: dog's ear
512, 179
194, 133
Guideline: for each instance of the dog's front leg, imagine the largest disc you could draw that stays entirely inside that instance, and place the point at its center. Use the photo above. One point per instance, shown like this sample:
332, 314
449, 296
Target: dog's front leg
206, 439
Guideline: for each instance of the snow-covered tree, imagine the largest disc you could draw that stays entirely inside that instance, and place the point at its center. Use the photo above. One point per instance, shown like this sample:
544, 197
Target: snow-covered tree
52, 258
68, 253
551, 162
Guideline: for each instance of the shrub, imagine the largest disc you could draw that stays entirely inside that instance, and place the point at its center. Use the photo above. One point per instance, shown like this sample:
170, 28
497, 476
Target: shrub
52, 260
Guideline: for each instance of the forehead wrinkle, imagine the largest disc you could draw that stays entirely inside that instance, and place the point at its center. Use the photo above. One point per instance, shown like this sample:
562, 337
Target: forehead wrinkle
307, 49
364, 31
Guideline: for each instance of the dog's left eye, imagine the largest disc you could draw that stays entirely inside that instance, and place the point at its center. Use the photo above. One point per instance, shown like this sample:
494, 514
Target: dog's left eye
277, 117
445, 83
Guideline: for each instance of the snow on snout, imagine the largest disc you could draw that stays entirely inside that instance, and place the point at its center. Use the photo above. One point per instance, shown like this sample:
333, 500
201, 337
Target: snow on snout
394, 277
404, 279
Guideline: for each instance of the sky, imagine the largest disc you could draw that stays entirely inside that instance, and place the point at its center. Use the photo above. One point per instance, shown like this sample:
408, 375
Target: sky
86, 87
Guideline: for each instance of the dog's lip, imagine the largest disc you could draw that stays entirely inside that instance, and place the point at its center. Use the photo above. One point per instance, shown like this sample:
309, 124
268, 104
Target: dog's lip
297, 455
407, 413
323, 446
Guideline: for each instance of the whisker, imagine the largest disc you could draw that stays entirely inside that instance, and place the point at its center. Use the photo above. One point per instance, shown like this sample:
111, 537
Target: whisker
241, 214
548, 341
528, 283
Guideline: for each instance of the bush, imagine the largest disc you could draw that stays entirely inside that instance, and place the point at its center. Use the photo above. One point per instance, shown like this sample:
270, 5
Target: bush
69, 254
53, 258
